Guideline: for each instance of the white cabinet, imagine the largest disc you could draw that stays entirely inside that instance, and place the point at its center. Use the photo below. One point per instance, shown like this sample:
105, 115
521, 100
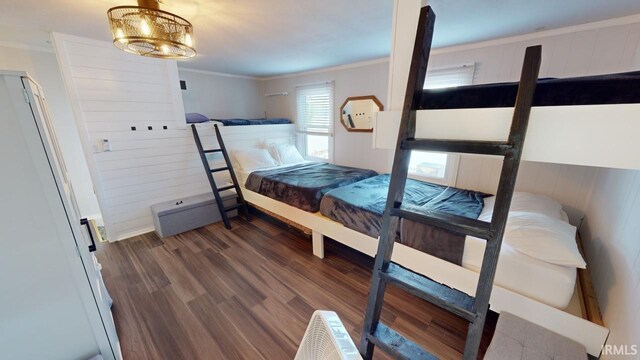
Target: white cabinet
51, 300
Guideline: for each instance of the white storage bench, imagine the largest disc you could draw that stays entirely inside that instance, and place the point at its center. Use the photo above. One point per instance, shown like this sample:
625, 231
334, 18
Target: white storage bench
180, 215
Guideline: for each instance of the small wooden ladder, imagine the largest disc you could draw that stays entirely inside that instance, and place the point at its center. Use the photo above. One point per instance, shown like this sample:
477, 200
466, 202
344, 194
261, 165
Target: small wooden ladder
241, 204
473, 309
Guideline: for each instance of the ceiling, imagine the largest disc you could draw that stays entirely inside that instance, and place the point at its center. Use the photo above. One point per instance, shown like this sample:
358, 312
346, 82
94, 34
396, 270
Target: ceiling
271, 37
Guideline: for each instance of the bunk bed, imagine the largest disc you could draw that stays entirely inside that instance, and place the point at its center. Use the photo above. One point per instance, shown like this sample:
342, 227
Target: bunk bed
572, 122
197, 118
583, 323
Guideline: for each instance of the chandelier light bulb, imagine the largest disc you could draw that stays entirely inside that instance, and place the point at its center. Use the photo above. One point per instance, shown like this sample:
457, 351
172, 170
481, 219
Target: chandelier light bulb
144, 28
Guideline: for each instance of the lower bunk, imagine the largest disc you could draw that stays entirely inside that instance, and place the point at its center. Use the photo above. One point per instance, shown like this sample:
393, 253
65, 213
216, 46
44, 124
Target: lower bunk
579, 324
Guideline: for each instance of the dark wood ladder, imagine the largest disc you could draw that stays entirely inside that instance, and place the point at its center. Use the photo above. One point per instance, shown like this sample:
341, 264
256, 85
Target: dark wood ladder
241, 204
473, 309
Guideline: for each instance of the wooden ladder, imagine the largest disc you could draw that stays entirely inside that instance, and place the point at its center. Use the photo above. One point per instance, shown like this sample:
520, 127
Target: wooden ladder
473, 309
241, 204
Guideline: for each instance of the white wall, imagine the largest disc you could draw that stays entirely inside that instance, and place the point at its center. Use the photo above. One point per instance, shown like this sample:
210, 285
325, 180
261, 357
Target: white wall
222, 96
567, 184
350, 149
43, 66
613, 248
575, 51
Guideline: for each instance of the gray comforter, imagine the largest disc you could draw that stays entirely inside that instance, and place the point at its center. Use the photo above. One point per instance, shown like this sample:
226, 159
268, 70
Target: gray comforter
360, 207
304, 185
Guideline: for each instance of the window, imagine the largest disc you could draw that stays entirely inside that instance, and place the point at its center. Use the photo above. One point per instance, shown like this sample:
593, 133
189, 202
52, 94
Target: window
441, 167
315, 120
459, 75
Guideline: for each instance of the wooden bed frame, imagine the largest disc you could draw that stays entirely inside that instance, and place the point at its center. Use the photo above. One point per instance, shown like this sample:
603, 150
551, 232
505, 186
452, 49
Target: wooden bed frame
587, 330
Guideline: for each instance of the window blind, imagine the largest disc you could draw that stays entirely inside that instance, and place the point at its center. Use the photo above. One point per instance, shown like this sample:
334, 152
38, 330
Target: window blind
315, 108
450, 76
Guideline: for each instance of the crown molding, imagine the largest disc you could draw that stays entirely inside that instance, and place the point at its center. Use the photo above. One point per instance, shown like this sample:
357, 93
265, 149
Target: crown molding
328, 69
25, 46
214, 73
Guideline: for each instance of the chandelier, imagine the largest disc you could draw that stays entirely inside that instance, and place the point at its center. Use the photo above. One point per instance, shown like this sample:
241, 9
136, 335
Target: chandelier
148, 31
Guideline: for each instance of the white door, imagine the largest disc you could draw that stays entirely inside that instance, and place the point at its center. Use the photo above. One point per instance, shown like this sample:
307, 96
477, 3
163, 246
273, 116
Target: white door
83, 237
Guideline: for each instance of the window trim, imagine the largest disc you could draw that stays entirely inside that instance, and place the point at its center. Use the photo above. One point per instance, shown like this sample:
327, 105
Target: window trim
438, 71
450, 172
301, 143
301, 135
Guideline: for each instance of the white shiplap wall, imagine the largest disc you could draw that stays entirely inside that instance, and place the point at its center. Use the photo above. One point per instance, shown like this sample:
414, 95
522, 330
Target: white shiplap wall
111, 91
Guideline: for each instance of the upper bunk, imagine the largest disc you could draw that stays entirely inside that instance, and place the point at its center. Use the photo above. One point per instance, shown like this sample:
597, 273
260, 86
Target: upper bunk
590, 121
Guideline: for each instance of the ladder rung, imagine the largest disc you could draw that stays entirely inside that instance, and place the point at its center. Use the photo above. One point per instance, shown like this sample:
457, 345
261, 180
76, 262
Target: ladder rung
452, 300
219, 169
233, 207
459, 146
226, 187
397, 345
211, 151
454, 223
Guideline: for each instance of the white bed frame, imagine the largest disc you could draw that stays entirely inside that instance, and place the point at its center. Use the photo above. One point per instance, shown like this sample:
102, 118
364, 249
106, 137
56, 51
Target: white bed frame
591, 335
587, 135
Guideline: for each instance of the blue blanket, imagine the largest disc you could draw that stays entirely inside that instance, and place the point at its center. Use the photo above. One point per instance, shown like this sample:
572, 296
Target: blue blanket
304, 185
243, 122
360, 207
586, 90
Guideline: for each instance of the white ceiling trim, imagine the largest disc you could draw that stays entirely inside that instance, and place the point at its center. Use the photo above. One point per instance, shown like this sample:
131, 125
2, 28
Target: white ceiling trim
30, 47
328, 69
625, 20
207, 72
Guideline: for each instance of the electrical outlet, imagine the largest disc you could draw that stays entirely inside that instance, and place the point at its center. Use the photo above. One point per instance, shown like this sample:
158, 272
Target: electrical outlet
106, 145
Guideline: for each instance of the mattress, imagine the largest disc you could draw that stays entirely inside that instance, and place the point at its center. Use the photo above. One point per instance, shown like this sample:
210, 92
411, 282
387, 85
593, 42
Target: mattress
303, 185
542, 281
586, 90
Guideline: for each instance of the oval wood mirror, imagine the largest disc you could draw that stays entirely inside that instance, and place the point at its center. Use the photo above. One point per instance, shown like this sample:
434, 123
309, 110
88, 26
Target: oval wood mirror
356, 113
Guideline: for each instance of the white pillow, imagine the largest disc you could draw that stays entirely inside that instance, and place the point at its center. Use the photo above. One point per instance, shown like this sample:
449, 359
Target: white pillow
524, 201
543, 237
253, 159
285, 154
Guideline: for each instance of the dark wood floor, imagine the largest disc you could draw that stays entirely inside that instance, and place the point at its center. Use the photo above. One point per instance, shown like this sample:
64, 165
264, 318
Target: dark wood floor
248, 293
